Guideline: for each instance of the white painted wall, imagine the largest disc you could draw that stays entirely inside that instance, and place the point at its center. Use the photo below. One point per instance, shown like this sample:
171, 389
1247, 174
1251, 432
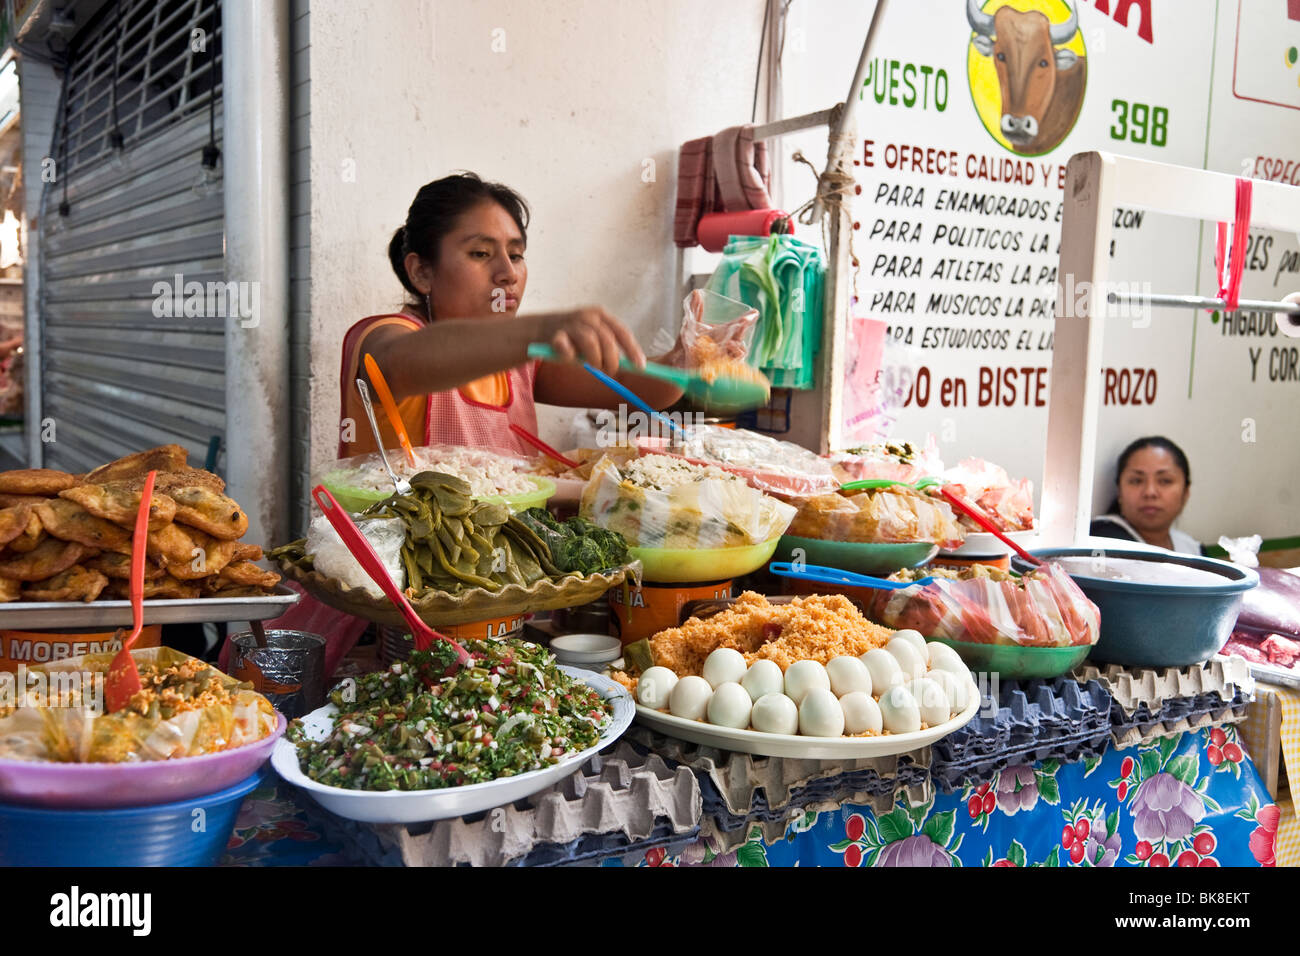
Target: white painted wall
582, 94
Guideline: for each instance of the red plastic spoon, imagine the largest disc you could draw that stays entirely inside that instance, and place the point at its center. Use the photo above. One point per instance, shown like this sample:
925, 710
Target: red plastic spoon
123, 679
361, 549
544, 448
983, 521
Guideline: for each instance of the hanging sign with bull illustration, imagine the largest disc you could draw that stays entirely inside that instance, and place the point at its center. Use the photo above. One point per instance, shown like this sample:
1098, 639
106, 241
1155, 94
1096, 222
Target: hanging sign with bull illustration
1028, 71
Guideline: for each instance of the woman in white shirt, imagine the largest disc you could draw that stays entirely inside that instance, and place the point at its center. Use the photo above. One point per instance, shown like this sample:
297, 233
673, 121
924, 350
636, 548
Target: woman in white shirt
1153, 482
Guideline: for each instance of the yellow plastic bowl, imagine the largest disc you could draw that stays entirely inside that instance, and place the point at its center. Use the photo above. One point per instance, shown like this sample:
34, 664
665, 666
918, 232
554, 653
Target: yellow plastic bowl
681, 565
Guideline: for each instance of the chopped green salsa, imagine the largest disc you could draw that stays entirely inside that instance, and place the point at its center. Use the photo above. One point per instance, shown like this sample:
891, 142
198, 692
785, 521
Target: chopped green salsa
411, 728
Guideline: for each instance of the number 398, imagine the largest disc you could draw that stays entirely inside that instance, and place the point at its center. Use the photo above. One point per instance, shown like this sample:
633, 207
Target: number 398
1139, 123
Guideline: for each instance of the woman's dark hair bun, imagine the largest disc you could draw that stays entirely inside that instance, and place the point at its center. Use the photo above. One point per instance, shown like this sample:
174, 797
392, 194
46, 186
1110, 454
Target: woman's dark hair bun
397, 256
433, 215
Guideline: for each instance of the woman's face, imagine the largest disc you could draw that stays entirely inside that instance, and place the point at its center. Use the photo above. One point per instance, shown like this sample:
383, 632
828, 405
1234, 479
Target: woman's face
480, 268
1152, 490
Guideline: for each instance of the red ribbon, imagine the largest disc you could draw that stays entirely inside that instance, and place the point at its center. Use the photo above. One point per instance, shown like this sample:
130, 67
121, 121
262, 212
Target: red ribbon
1230, 279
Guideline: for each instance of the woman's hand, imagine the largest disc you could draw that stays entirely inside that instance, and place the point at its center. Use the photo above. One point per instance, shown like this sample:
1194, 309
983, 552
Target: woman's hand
592, 335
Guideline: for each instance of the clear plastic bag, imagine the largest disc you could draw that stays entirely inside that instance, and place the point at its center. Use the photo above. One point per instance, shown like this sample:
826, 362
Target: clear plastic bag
665, 502
896, 461
887, 516
1010, 504
332, 558
1043, 608
768, 464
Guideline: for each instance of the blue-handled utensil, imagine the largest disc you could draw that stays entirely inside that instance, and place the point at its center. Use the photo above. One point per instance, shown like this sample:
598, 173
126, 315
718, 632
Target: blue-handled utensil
539, 350
823, 575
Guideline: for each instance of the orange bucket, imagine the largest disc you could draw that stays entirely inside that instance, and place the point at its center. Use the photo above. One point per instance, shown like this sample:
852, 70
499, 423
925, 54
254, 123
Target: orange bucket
642, 612
31, 647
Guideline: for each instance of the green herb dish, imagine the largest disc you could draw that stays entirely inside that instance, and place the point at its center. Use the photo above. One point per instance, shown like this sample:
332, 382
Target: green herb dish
1018, 663
411, 728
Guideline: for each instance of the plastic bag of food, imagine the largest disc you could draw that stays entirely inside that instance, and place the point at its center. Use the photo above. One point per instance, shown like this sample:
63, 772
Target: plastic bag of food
185, 708
331, 557
657, 501
715, 329
984, 605
894, 460
890, 515
1010, 504
768, 464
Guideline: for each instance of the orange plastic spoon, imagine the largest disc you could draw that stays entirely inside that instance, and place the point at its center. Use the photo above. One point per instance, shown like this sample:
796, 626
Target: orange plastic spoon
390, 407
123, 679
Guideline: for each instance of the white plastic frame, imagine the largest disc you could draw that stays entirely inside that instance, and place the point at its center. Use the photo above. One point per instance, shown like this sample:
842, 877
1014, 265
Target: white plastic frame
1095, 183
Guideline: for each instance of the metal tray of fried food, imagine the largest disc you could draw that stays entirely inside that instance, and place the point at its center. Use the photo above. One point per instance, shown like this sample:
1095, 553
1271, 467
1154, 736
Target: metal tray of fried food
29, 615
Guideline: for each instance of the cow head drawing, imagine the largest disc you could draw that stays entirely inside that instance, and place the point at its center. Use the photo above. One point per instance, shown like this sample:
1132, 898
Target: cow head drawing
1041, 85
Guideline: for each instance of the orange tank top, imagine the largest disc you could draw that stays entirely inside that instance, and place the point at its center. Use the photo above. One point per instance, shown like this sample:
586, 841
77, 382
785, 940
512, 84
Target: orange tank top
478, 414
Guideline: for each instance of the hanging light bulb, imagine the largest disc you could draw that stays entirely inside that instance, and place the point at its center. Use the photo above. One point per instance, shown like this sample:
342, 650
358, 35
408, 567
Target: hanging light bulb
208, 182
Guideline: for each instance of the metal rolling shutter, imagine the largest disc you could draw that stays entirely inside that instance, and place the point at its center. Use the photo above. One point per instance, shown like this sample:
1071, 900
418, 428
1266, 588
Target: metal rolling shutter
116, 376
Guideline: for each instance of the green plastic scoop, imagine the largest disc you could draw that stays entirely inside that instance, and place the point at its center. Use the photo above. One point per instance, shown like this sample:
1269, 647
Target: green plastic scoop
724, 393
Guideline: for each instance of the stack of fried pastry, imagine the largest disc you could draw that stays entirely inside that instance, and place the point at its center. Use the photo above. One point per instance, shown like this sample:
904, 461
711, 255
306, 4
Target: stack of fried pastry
67, 537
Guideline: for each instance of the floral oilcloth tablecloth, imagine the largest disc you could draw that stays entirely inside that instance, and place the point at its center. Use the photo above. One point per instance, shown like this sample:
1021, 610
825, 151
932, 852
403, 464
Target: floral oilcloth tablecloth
1193, 799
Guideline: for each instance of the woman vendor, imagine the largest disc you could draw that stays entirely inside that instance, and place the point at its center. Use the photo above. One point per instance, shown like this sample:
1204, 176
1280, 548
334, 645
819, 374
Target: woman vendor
1153, 482
455, 357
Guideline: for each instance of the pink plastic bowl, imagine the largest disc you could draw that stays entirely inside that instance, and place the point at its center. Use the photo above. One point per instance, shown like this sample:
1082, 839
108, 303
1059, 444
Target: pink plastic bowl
97, 786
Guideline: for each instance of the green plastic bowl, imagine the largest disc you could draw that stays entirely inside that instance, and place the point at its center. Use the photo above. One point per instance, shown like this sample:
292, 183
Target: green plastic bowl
1018, 663
688, 566
860, 557
356, 499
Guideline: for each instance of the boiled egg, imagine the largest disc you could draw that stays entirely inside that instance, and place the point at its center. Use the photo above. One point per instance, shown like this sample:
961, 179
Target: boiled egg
908, 657
912, 637
723, 665
654, 686
848, 674
775, 714
820, 714
861, 713
730, 706
959, 690
931, 700
884, 669
899, 711
690, 698
943, 657
763, 677
803, 676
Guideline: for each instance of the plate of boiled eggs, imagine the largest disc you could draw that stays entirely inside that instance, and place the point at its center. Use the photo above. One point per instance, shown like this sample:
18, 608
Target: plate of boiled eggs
892, 699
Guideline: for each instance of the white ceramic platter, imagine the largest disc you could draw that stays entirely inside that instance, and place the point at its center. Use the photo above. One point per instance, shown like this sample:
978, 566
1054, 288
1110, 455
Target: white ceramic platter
797, 745
414, 806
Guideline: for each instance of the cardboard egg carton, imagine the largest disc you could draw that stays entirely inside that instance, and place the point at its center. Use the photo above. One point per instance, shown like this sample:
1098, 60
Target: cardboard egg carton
1131, 687
621, 801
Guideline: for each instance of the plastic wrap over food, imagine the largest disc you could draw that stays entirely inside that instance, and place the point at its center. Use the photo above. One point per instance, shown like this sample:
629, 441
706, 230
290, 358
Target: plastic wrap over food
657, 501
893, 516
185, 708
489, 472
1043, 608
332, 558
1010, 504
894, 460
766, 463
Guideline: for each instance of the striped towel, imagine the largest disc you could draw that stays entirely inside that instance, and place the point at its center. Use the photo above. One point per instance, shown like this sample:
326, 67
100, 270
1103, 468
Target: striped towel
723, 173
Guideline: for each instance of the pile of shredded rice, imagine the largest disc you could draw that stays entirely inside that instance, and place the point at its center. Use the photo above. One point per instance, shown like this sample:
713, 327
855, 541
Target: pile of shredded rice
818, 627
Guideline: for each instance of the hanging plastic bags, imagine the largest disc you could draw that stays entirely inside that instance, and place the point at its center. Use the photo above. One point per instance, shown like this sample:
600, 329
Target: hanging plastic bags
784, 279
